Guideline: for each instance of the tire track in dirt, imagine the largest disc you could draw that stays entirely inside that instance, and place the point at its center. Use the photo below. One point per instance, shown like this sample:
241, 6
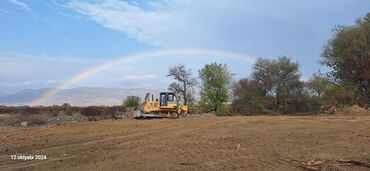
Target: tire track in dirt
151, 135
173, 137
267, 143
96, 139
78, 144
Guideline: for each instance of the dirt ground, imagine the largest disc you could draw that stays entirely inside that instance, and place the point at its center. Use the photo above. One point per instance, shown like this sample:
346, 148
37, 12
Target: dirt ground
204, 143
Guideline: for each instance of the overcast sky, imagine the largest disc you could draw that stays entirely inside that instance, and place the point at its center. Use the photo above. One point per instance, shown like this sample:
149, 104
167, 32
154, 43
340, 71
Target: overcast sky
45, 42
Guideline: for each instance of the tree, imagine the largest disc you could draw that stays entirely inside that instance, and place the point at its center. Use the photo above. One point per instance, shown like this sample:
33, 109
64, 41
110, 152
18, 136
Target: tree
348, 54
176, 88
336, 95
185, 82
317, 83
131, 101
288, 84
263, 72
248, 96
215, 80
279, 79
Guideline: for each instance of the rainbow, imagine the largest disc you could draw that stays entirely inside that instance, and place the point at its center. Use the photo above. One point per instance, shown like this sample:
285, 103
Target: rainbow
203, 52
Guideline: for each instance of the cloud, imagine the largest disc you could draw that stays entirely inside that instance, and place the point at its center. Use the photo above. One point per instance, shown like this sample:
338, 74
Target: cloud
20, 4
145, 26
236, 25
168, 23
231, 24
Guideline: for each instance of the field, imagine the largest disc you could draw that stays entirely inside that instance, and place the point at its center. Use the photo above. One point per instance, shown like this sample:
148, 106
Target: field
201, 143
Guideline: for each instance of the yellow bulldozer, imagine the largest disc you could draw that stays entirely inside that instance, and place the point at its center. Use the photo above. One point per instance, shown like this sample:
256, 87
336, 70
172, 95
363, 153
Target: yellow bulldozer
164, 107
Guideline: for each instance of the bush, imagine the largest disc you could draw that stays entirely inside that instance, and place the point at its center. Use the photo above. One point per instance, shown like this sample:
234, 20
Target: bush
248, 97
38, 119
32, 119
337, 95
95, 113
66, 107
40, 114
131, 101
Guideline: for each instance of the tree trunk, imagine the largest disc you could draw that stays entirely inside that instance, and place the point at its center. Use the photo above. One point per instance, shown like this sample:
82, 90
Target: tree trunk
185, 94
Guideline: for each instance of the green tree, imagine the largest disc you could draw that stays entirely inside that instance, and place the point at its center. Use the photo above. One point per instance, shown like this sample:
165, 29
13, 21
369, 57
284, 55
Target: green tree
288, 84
317, 83
131, 101
348, 54
215, 80
248, 97
184, 87
264, 72
279, 79
336, 95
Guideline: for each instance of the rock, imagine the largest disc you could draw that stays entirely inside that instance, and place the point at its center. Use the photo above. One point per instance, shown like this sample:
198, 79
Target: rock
24, 123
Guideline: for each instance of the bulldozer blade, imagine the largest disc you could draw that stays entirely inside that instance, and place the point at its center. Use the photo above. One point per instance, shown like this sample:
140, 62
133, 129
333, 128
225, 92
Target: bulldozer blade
141, 115
137, 114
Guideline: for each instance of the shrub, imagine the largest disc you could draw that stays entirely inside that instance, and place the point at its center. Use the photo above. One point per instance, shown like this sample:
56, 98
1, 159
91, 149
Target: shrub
337, 95
102, 112
66, 107
131, 101
38, 119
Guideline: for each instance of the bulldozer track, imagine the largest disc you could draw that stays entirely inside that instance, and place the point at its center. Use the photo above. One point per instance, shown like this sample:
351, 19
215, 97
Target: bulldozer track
225, 143
154, 135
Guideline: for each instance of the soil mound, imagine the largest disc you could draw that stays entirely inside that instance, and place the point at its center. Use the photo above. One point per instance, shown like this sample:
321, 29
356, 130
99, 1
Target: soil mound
350, 110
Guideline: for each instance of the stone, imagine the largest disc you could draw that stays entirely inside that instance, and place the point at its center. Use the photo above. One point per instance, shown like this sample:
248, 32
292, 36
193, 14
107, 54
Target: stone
24, 123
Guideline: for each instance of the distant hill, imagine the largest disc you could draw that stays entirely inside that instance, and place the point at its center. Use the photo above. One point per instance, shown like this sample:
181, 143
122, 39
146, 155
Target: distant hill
81, 96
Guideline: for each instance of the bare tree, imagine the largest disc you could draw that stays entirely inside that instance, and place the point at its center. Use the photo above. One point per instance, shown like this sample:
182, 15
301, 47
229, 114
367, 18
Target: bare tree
176, 88
185, 82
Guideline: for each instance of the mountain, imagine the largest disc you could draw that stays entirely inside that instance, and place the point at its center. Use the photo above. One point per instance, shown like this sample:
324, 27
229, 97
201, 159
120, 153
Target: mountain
81, 96
22, 97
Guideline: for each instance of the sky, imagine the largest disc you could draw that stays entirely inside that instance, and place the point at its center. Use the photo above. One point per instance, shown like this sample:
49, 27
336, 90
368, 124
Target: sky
43, 42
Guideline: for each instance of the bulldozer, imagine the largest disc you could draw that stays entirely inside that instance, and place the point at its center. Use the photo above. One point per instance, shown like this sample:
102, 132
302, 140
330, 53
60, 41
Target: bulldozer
164, 107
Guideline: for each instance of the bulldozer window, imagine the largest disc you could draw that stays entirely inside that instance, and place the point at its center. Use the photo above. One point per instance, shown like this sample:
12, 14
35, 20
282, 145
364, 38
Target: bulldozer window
163, 100
171, 97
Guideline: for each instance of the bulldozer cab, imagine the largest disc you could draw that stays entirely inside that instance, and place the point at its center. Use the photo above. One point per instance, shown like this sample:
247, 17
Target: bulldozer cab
167, 98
